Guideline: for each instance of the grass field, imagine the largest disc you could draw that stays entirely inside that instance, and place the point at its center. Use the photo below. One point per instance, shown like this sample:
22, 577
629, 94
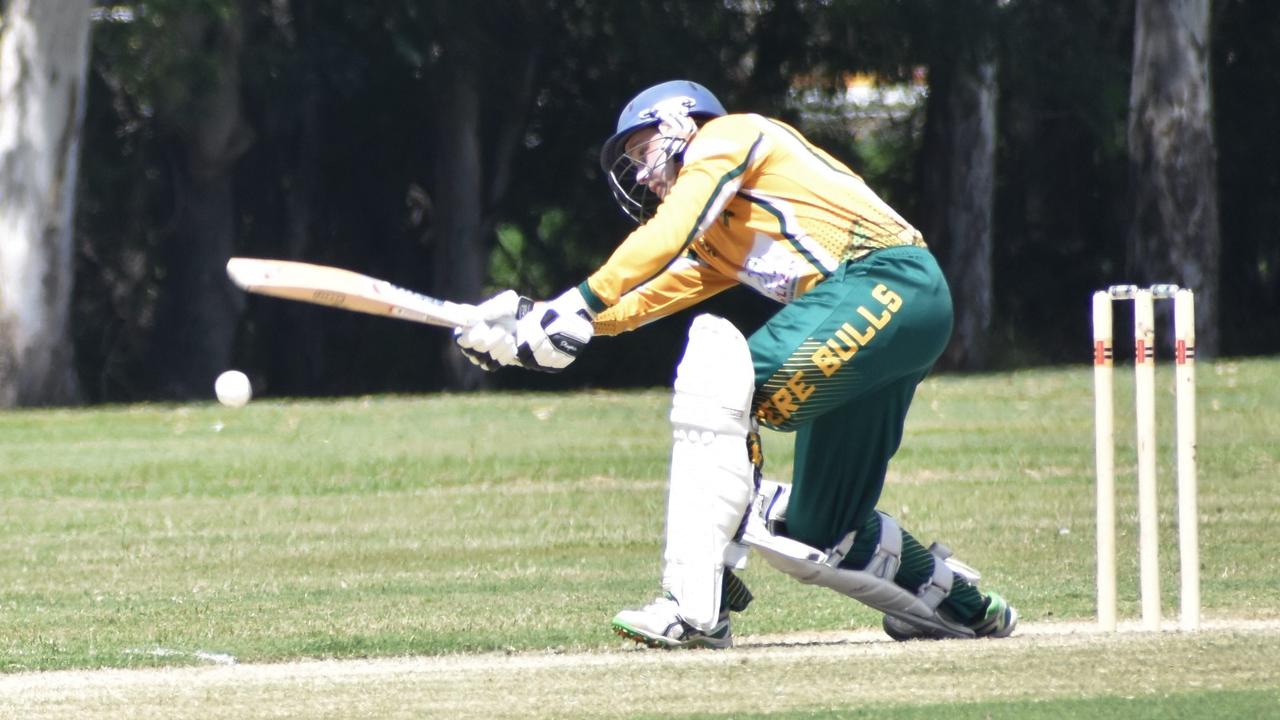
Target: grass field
461, 555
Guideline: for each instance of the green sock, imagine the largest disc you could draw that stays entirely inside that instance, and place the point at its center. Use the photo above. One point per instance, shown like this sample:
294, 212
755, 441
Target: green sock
734, 594
964, 601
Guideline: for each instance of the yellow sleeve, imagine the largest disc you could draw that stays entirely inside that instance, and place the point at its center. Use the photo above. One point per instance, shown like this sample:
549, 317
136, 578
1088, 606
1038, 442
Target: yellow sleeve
685, 282
717, 162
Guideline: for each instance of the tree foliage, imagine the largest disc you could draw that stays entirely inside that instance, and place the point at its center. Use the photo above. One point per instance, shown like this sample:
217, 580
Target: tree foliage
352, 161
1246, 85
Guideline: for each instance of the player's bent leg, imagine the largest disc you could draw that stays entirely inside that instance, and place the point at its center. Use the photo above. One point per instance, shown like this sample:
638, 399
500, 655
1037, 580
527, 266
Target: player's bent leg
711, 485
908, 614
987, 615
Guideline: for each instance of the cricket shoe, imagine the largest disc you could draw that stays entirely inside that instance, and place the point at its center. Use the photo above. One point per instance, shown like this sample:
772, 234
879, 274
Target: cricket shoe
658, 625
999, 620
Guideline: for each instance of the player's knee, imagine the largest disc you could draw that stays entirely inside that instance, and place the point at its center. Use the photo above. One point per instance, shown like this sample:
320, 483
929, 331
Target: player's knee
715, 380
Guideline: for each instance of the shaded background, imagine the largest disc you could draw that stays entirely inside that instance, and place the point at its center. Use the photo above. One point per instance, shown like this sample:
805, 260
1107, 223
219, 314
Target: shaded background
451, 148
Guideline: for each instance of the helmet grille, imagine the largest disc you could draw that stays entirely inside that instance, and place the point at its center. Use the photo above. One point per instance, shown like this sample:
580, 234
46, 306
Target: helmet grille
634, 196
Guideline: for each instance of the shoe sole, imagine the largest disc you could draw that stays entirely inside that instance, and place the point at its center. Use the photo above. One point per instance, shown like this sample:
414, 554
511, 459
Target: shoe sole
647, 640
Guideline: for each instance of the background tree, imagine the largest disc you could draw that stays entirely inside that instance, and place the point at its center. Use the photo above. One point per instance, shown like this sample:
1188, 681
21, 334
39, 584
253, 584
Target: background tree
958, 168
1060, 214
172, 71
1246, 97
480, 112
1172, 157
454, 149
205, 135
43, 52
952, 180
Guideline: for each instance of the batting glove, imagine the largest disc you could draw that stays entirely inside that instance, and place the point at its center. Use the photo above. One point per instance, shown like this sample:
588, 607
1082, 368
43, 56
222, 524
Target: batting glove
551, 335
494, 334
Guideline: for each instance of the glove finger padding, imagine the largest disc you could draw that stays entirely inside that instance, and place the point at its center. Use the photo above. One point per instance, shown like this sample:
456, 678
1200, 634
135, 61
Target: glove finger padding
479, 342
484, 360
493, 338
548, 340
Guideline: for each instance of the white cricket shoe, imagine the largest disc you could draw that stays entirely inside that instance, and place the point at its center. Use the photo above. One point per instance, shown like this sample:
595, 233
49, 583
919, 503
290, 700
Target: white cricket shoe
658, 625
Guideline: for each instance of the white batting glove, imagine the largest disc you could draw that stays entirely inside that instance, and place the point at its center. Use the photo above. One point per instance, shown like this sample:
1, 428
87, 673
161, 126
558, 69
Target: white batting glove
494, 334
551, 335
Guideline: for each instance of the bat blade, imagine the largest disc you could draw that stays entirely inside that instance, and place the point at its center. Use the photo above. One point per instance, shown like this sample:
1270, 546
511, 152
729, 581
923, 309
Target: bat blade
336, 287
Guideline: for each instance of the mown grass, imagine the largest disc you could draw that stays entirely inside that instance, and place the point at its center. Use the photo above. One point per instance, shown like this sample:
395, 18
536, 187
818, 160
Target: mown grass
147, 535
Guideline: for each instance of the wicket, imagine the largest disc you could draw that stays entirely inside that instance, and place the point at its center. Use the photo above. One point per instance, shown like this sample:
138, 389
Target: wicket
1144, 401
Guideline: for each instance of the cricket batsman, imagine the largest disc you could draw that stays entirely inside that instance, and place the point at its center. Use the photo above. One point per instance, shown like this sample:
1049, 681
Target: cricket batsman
725, 199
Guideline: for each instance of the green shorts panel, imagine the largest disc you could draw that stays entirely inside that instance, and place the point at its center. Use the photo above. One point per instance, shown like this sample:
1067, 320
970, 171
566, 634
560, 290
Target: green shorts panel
876, 320
839, 366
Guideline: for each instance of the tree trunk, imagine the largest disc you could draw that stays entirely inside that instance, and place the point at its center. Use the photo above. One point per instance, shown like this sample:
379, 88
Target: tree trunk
297, 128
458, 242
43, 56
959, 180
1174, 235
475, 150
197, 325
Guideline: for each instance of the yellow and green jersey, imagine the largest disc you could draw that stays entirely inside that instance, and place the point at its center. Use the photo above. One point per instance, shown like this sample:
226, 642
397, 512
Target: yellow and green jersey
754, 204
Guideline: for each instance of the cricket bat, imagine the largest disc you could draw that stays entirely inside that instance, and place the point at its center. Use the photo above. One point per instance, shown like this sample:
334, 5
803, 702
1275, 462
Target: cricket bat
335, 287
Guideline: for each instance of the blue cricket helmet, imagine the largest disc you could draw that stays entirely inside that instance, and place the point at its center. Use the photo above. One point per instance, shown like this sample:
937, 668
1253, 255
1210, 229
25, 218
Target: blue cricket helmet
641, 112
644, 110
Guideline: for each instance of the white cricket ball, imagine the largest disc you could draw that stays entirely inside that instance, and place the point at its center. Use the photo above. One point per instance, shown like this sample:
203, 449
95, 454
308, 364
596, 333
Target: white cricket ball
233, 389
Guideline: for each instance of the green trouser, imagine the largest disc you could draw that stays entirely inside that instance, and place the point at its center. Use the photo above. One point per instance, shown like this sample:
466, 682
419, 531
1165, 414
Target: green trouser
839, 366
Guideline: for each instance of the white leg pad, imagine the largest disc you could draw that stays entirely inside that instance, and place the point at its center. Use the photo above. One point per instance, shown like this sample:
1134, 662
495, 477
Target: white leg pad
872, 585
712, 481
